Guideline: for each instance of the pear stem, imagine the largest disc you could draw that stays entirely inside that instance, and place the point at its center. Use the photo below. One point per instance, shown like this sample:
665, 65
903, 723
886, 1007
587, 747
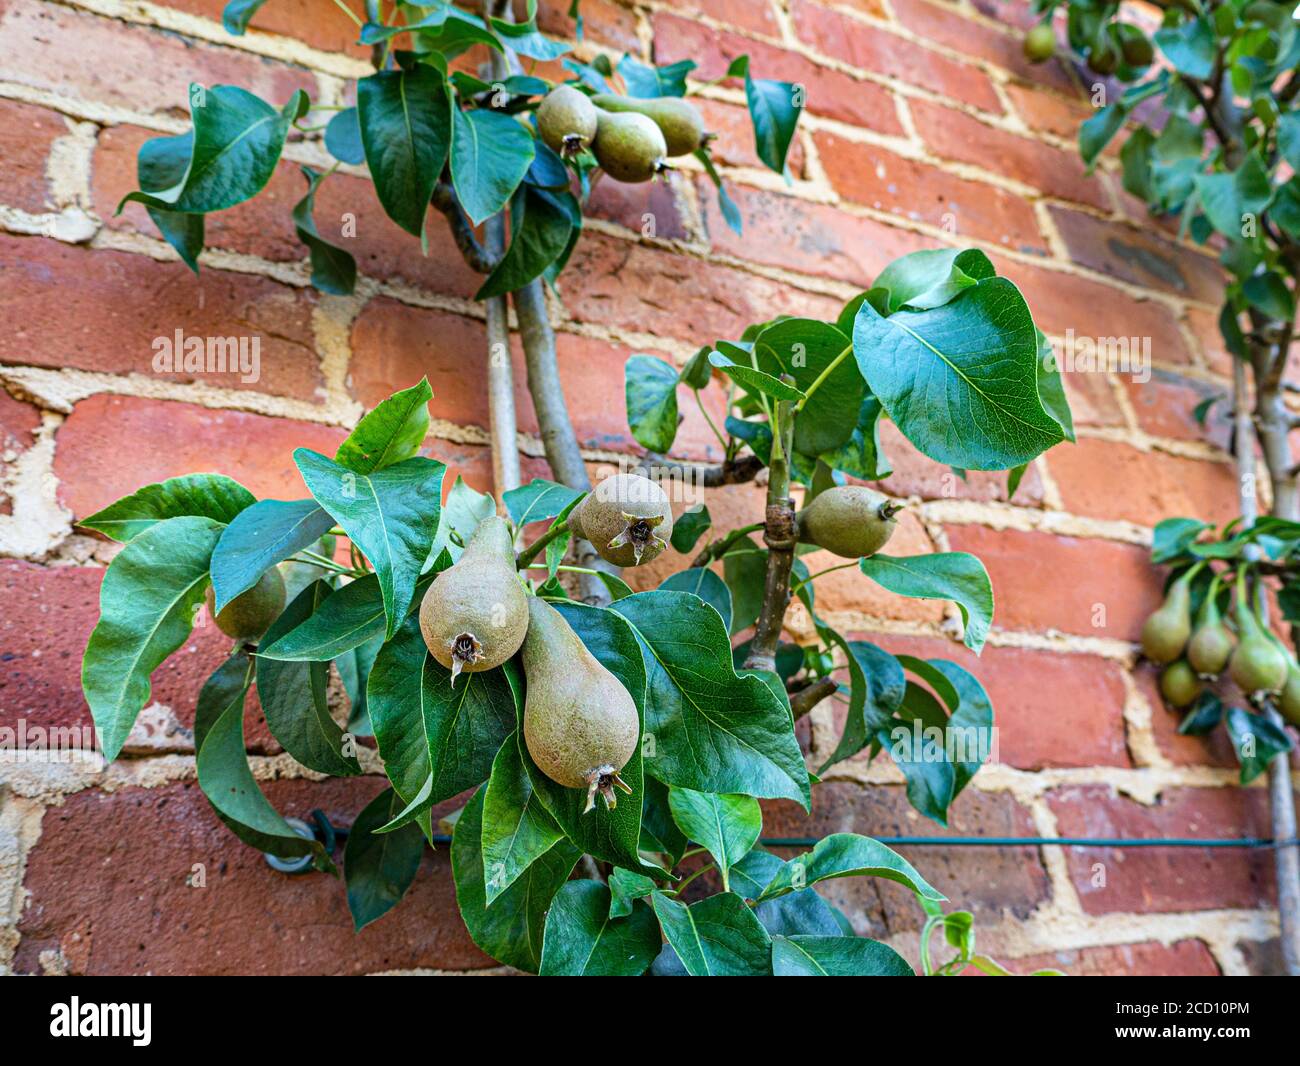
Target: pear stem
525, 557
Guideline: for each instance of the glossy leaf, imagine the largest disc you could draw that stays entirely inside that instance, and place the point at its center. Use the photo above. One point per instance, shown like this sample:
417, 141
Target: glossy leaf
537, 501
836, 956
160, 165
259, 537
525, 39
540, 228
659, 833
820, 360
647, 82
931, 277
728, 826
393, 431
390, 514
847, 855
861, 456
689, 526
379, 867
716, 937
1256, 741
625, 888
774, 113
956, 576
876, 687
796, 913
147, 604
490, 154
343, 137
1231, 198
651, 390
204, 495
517, 829
581, 939
332, 269
755, 381
1189, 46
969, 730
462, 511
704, 583
236, 15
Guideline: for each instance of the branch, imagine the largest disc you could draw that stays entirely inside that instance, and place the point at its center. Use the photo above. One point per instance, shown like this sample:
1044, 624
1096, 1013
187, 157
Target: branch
781, 536
502, 424
731, 472
478, 257
805, 699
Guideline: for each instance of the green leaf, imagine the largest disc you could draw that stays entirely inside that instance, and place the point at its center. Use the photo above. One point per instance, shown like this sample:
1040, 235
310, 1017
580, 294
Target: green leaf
524, 38
259, 537
730, 212
1268, 292
1100, 130
930, 278
861, 455
618, 588
147, 603
647, 82
1173, 536
1288, 138
728, 826
237, 140
295, 701
391, 514
969, 728
956, 576
343, 137
1256, 740
704, 583
1051, 393
820, 360
490, 154
713, 730
774, 113
537, 501
511, 929
332, 269
236, 15
393, 431
960, 381
160, 165
405, 119
223, 773
435, 740
716, 937
1227, 198
744, 571
625, 887
582, 939
517, 829
651, 388
540, 228
462, 511
1190, 47
836, 956
754, 380
379, 867
205, 495
846, 855
1205, 715
915, 741
876, 688
659, 833
689, 527
796, 913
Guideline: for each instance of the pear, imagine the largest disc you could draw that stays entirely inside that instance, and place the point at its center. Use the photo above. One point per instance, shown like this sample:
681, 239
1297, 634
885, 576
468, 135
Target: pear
628, 146
1040, 43
1136, 48
1179, 684
580, 724
1289, 701
1164, 636
626, 517
566, 119
251, 613
475, 613
850, 521
678, 121
1211, 643
1103, 56
1258, 665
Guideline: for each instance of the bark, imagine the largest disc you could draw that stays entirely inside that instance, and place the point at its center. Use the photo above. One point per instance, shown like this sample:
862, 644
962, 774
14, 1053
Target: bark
780, 535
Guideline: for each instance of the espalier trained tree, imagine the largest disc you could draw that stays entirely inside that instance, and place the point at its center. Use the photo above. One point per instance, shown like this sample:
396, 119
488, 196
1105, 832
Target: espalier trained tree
623, 735
1214, 141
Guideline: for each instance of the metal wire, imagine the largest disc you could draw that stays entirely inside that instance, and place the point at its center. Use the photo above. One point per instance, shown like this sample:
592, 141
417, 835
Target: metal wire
1073, 842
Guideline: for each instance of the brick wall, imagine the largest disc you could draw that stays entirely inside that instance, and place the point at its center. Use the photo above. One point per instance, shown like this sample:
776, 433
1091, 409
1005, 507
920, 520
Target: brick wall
923, 127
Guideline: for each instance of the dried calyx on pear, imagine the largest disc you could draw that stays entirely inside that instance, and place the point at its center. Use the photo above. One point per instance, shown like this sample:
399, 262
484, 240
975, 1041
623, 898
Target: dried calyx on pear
678, 121
850, 521
580, 724
475, 613
626, 517
566, 119
251, 613
629, 147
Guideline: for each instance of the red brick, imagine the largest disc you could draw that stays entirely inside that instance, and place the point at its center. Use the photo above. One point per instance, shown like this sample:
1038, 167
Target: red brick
874, 49
955, 135
1137, 256
396, 344
1212, 749
1153, 880
1184, 958
1043, 582
733, 144
1165, 407
127, 66
26, 135
161, 439
916, 475
1049, 112
1205, 327
987, 881
920, 191
755, 16
651, 208
142, 845
828, 92
633, 286
603, 21
125, 302
1011, 12
810, 238
18, 424
323, 26
1092, 399
1102, 479
1050, 709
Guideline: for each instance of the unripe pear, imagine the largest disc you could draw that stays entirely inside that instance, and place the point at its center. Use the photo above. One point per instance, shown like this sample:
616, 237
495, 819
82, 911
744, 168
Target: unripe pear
474, 615
251, 613
677, 119
1179, 684
851, 521
580, 724
1165, 634
1289, 701
1103, 56
1040, 43
1211, 643
1136, 48
566, 119
628, 146
1258, 665
626, 517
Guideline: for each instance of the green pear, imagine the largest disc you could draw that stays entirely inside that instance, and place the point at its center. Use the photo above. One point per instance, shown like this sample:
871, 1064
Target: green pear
1179, 684
678, 120
1040, 43
628, 146
851, 521
1258, 665
1164, 636
566, 119
626, 517
251, 613
1211, 643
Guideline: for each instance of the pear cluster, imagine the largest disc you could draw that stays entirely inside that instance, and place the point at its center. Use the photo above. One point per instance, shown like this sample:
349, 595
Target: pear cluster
632, 139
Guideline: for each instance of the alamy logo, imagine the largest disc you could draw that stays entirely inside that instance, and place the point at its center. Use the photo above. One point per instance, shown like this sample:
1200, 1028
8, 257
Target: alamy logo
102, 1019
179, 354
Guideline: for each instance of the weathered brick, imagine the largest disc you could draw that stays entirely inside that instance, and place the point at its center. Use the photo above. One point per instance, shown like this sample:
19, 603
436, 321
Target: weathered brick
1054, 113
955, 135
1011, 12
636, 287
322, 26
604, 21
18, 424
1050, 709
922, 192
125, 303
756, 16
733, 144
1205, 327
127, 66
1150, 880
650, 208
26, 136
143, 845
810, 238
1212, 749
987, 881
1104, 479
916, 475
827, 92
1166, 406
1092, 399
874, 49
1183, 958
1137, 256
1041, 581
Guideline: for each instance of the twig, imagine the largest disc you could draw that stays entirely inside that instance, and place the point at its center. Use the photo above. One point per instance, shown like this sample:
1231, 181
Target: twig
479, 258
730, 472
780, 535
805, 699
